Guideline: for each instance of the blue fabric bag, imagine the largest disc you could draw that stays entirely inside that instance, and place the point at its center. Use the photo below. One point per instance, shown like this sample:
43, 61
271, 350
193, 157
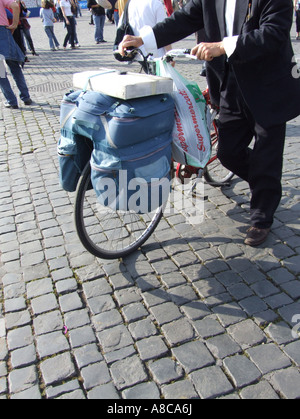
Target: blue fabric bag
128, 181
132, 150
74, 151
132, 146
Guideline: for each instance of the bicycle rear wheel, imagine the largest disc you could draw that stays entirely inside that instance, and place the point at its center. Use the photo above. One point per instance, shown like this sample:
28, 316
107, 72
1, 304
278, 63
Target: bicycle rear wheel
106, 233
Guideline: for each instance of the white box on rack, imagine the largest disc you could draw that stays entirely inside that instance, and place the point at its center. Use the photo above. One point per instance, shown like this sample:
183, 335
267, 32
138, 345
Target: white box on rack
122, 85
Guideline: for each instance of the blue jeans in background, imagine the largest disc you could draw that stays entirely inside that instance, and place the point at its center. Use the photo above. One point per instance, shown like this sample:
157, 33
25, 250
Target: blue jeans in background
18, 76
116, 18
53, 42
99, 22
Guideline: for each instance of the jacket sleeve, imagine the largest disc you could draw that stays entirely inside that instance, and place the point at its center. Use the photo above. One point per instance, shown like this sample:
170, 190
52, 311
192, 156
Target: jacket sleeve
265, 32
180, 25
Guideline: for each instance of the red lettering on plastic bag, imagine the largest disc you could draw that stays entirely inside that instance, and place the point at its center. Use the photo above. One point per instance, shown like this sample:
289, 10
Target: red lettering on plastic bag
200, 138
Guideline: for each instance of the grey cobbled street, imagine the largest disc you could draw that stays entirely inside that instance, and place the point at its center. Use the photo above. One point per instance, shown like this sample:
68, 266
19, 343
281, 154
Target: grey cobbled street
194, 314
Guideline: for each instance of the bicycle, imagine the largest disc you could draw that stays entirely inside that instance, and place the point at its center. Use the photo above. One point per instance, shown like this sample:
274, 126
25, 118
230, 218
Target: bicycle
115, 234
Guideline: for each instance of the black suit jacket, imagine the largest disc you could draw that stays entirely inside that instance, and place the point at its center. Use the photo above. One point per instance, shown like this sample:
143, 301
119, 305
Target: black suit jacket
263, 60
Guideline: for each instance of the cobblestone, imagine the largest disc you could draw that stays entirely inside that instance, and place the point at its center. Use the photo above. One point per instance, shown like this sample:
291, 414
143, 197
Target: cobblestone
151, 348
165, 370
193, 314
22, 378
57, 369
211, 382
241, 370
128, 372
95, 375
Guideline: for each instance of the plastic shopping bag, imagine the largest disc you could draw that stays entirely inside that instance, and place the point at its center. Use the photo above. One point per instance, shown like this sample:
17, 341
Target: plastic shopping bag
191, 137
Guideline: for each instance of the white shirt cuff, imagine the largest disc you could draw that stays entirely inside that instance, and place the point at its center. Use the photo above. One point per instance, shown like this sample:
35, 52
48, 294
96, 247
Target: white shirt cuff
230, 44
149, 40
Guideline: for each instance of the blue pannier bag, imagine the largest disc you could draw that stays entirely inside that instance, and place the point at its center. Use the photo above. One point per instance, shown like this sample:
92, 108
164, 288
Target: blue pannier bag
131, 160
74, 150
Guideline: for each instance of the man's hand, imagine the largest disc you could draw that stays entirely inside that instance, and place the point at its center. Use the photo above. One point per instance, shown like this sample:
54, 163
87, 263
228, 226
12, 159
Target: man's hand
130, 41
208, 51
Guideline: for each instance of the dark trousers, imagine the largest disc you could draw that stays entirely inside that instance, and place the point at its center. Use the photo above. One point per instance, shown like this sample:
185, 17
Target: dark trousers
19, 39
71, 28
260, 165
29, 40
298, 21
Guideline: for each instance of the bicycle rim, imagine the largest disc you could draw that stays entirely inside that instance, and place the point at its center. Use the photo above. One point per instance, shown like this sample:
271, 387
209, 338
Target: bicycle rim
106, 233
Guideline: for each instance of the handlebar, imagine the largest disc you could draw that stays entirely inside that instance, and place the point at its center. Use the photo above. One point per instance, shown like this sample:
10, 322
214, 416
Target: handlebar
181, 53
131, 55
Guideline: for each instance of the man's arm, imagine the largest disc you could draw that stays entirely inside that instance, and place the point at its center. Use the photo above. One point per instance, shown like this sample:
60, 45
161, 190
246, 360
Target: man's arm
203, 51
180, 25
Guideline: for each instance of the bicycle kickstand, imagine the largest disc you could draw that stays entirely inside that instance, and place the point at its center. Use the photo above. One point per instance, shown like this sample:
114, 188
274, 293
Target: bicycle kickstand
193, 192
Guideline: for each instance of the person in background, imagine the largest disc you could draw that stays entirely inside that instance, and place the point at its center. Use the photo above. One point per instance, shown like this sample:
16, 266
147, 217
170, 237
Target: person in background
13, 56
142, 13
121, 6
297, 11
69, 19
59, 16
98, 14
169, 7
91, 20
110, 15
75, 35
175, 5
18, 35
25, 28
47, 16
77, 3
116, 14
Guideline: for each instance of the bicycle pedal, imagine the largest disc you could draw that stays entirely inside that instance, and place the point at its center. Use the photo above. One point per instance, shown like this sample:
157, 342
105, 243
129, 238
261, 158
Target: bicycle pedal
196, 196
221, 185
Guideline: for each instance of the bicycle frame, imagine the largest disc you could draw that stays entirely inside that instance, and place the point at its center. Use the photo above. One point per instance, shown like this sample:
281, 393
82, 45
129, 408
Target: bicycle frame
98, 231
148, 64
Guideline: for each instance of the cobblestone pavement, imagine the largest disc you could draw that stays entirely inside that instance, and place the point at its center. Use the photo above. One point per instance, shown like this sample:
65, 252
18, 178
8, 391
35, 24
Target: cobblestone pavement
194, 314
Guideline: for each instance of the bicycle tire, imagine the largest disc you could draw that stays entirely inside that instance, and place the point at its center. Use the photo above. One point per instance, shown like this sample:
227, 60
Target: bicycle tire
215, 173
224, 181
94, 237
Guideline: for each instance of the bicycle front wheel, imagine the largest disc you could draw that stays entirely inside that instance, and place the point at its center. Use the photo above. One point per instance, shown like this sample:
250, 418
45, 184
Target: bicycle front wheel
106, 233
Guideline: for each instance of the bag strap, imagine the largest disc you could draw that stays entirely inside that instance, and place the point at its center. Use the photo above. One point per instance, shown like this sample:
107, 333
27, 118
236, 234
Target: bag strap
88, 82
106, 127
126, 17
64, 121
